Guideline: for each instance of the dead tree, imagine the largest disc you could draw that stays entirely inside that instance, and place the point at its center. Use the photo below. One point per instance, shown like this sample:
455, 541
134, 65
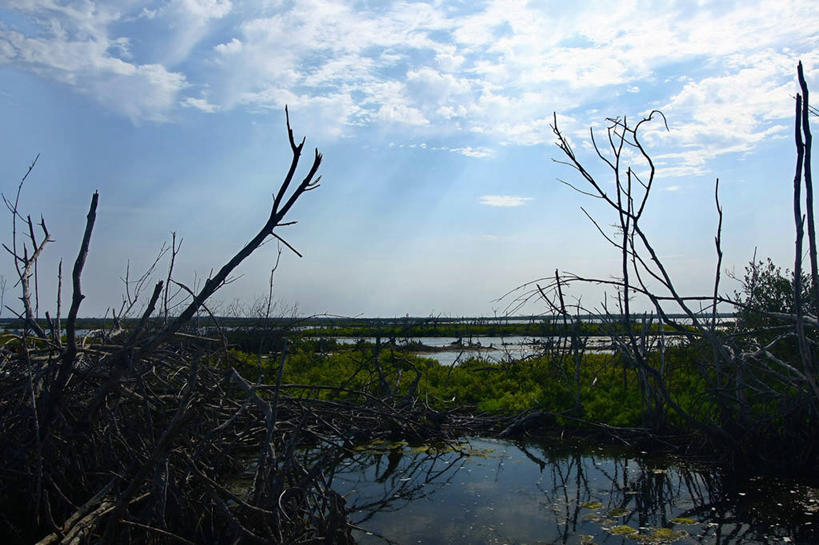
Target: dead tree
25, 258
132, 437
758, 404
282, 203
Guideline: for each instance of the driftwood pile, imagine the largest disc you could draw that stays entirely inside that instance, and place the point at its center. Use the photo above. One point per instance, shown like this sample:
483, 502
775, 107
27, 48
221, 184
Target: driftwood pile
150, 435
184, 451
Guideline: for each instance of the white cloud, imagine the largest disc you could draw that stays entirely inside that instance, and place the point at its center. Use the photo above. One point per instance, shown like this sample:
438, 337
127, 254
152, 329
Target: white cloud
393, 105
232, 47
402, 114
147, 13
504, 200
473, 152
478, 152
729, 113
448, 59
76, 51
431, 87
723, 74
206, 9
148, 93
188, 22
681, 170
200, 104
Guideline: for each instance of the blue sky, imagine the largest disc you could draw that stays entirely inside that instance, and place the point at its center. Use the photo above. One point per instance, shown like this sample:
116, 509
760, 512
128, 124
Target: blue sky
439, 193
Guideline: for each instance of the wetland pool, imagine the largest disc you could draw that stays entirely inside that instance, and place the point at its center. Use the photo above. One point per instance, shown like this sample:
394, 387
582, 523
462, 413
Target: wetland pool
488, 491
450, 350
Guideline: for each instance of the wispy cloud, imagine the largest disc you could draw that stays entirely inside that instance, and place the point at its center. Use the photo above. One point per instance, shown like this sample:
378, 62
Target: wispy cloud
72, 44
504, 200
478, 152
200, 104
723, 75
729, 113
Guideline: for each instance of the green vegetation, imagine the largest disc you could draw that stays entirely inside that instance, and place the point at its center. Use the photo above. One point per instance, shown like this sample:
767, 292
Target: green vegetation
609, 391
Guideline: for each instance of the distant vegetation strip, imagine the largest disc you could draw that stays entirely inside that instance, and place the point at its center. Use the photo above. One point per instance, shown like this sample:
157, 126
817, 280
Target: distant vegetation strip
544, 325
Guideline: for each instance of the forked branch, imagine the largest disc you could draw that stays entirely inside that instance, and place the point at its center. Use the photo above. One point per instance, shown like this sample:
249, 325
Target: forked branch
277, 214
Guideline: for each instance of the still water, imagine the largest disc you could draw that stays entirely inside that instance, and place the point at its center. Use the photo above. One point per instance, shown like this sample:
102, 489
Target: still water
487, 491
451, 350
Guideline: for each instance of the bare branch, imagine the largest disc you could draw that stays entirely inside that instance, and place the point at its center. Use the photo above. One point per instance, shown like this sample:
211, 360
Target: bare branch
808, 139
77, 296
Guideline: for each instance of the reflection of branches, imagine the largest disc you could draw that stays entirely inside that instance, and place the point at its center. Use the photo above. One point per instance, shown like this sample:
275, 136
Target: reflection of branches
568, 489
643, 494
583, 492
408, 477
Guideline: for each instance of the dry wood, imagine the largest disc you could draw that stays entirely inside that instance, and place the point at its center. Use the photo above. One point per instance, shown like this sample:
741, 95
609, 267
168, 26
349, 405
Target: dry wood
744, 369
166, 459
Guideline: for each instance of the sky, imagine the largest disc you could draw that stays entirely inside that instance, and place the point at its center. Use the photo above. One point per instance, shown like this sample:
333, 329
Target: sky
440, 187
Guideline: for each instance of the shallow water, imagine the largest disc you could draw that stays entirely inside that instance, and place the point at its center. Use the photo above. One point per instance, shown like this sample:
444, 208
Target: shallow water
496, 492
488, 348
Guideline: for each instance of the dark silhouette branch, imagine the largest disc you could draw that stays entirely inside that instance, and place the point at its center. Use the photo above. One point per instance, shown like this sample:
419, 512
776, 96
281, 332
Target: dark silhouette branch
808, 139
277, 214
76, 275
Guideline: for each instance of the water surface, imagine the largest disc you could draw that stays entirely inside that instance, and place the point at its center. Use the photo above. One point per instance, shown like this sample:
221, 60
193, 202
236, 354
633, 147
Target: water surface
451, 350
496, 492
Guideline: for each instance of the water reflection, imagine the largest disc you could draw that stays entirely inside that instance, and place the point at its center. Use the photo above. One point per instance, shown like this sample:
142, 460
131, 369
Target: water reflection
490, 491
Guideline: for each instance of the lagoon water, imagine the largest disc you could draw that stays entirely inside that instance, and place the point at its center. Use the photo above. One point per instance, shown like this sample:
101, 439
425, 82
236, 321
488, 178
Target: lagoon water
489, 491
494, 349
